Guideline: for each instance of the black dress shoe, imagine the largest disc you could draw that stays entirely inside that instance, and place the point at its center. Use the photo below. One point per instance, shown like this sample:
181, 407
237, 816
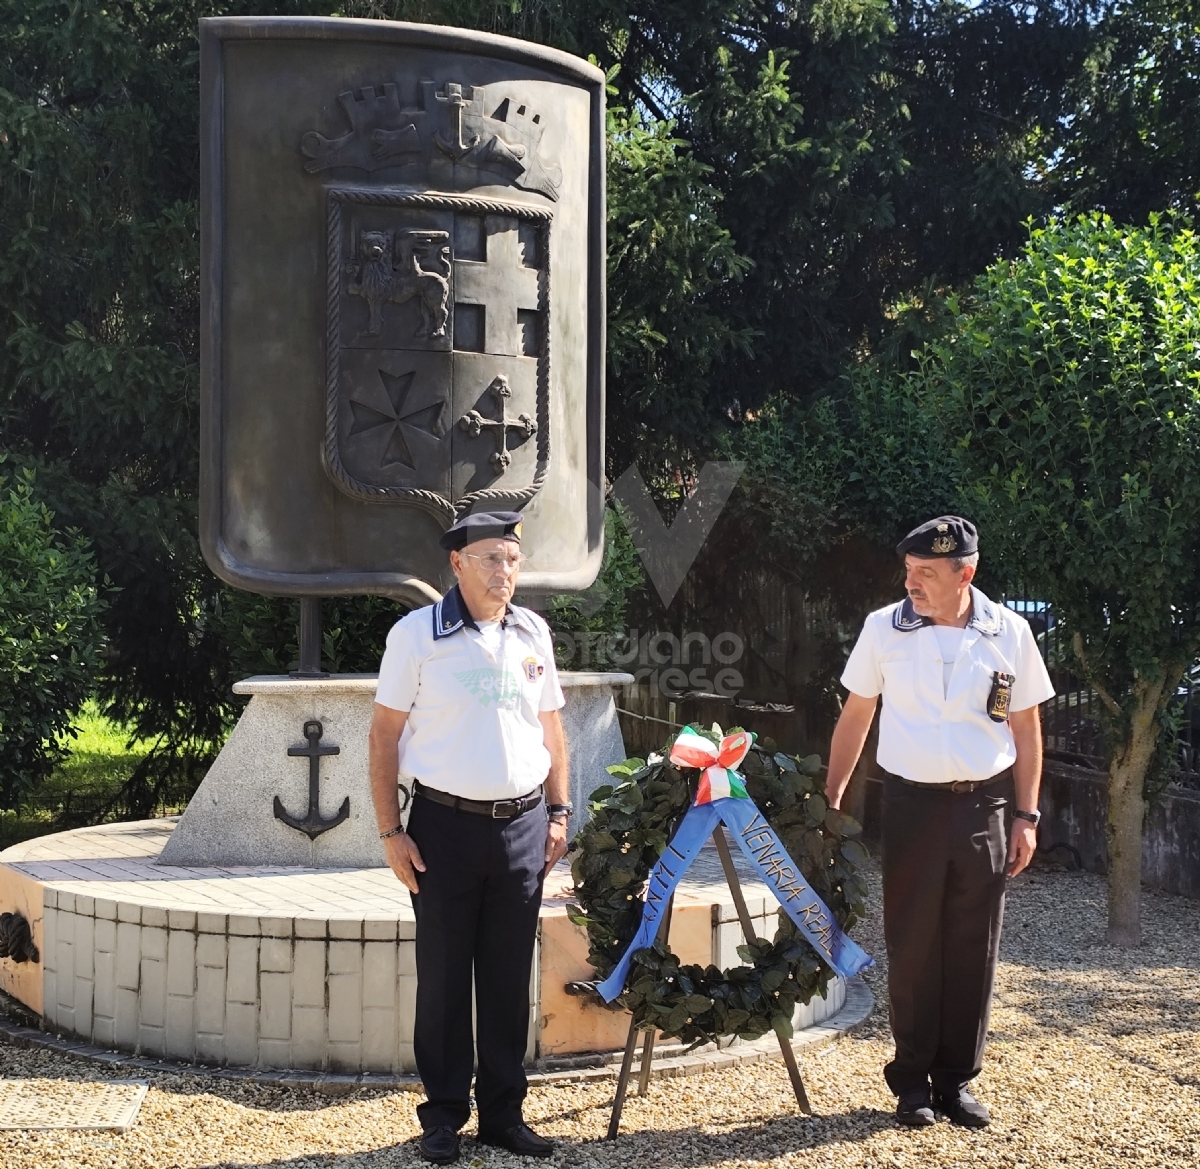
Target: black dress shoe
962, 1108
519, 1139
915, 1109
440, 1145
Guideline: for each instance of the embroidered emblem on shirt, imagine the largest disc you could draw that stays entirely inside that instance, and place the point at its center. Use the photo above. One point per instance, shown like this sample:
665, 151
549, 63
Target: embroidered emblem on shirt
532, 669
492, 687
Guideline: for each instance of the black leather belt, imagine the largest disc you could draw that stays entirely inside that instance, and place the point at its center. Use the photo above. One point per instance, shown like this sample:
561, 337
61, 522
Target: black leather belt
959, 785
496, 809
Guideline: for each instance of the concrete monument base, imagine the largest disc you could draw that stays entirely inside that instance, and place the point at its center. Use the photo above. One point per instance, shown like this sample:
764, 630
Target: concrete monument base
231, 820
228, 937
295, 968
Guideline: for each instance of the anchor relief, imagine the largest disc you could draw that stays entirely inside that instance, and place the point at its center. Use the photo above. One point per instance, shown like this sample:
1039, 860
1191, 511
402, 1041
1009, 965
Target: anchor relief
312, 825
472, 129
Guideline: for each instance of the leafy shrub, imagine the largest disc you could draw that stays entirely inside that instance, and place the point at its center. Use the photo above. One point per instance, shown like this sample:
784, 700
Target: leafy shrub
1068, 396
50, 636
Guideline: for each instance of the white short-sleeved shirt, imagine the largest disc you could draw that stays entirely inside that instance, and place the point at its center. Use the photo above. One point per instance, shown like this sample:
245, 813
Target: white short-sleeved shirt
472, 697
931, 731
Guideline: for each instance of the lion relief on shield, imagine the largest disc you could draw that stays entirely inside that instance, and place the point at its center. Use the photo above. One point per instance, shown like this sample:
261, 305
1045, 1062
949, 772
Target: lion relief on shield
401, 266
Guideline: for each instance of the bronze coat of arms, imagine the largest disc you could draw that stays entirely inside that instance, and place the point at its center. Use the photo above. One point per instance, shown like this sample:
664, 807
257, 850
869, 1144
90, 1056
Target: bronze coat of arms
404, 301
438, 349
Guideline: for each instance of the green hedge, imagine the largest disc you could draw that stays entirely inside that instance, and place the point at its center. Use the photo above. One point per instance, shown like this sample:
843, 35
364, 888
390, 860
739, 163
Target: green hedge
51, 637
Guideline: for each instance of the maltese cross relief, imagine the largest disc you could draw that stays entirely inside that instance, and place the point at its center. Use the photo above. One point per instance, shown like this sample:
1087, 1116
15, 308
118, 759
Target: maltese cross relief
438, 345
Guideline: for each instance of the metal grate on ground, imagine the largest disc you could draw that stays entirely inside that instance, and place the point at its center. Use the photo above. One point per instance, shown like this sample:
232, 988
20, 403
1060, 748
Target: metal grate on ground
70, 1104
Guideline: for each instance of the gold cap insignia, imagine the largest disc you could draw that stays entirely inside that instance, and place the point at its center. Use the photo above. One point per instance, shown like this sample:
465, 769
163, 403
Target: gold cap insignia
517, 529
943, 544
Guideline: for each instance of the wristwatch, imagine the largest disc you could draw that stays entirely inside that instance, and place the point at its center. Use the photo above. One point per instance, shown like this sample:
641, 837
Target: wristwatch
557, 811
1032, 817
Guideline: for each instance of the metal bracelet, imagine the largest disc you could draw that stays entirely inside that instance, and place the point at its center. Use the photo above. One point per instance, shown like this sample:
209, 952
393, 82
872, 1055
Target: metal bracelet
394, 832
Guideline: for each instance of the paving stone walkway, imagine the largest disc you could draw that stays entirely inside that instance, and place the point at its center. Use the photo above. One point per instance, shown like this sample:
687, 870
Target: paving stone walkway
117, 863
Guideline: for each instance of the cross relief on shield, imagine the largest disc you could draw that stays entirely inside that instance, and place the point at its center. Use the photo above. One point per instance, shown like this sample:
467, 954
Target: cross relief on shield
438, 347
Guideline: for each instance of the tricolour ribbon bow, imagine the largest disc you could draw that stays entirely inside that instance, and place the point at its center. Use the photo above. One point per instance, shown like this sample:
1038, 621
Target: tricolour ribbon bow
760, 845
720, 779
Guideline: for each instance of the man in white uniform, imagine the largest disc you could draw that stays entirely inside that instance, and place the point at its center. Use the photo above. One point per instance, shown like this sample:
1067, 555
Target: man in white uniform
960, 746
467, 715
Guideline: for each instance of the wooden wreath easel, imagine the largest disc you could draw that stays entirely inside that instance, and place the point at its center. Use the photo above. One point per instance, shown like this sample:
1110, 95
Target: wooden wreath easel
785, 1046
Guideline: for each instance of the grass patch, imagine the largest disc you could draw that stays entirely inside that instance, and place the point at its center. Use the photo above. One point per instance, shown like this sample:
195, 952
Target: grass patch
102, 757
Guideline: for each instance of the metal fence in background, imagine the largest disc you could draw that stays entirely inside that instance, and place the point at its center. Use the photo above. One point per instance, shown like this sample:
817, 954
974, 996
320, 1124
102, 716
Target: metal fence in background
1071, 719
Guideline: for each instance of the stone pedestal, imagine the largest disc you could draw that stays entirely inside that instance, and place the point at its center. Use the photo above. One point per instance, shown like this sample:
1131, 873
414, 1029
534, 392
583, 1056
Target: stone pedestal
228, 938
593, 734
231, 819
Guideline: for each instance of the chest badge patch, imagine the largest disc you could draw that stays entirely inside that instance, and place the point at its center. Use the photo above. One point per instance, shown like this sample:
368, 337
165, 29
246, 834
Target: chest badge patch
532, 669
1000, 696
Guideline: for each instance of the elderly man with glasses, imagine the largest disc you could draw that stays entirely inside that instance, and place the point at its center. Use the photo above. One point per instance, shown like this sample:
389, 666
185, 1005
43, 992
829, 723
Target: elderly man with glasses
467, 715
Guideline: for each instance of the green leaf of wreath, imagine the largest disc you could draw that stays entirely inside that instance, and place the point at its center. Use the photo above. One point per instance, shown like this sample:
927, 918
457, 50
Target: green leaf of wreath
630, 826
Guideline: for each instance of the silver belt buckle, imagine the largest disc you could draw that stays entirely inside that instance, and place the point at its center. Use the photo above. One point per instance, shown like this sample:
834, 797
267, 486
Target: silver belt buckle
496, 815
962, 785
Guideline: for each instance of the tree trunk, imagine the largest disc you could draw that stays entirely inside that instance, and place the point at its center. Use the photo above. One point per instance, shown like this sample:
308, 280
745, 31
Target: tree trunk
1126, 813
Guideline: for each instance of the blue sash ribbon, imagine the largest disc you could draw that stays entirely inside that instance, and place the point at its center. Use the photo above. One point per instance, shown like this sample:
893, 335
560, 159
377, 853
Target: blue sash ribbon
765, 851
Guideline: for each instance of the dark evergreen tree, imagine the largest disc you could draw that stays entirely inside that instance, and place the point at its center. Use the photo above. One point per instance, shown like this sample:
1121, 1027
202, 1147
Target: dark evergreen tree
792, 188
1132, 146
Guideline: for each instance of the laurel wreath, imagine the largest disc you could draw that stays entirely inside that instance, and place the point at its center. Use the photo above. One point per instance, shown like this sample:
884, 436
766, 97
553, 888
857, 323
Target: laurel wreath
631, 822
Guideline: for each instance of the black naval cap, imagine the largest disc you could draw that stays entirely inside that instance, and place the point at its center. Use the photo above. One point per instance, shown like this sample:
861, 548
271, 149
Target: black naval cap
482, 525
948, 535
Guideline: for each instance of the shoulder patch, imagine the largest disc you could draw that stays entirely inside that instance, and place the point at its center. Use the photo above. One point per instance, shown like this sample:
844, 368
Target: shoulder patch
449, 615
986, 615
905, 618
527, 618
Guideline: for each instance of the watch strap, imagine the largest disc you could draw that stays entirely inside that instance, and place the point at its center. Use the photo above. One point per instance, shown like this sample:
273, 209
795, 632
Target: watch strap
1033, 817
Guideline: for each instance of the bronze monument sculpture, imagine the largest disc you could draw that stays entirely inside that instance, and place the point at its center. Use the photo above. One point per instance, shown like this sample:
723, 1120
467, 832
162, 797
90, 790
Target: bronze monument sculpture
402, 322
403, 302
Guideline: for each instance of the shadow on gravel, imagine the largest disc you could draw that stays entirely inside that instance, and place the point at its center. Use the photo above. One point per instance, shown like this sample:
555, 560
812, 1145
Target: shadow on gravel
684, 1148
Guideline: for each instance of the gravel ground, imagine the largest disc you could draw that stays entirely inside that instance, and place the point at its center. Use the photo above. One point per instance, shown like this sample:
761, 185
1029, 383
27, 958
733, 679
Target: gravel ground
1094, 1060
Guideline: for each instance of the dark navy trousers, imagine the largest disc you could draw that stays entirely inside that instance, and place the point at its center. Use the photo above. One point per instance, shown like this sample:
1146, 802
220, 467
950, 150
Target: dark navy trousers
477, 914
944, 855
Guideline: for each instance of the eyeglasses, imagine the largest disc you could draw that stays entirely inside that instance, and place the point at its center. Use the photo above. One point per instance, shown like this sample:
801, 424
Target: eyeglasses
493, 562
